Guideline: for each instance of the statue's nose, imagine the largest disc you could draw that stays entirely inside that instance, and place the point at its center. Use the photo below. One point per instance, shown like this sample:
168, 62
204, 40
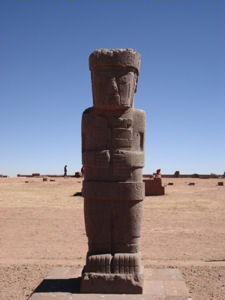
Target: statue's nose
113, 85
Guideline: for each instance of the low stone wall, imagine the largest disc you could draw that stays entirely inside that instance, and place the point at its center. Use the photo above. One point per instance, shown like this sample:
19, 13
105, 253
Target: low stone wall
25, 175
202, 176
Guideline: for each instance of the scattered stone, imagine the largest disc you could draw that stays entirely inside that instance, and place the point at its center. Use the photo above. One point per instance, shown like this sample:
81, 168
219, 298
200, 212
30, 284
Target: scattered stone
195, 175
78, 174
177, 174
212, 175
36, 174
26, 181
77, 194
170, 183
191, 183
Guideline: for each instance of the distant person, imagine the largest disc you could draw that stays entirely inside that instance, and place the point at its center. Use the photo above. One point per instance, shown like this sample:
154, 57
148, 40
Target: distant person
65, 170
82, 170
158, 172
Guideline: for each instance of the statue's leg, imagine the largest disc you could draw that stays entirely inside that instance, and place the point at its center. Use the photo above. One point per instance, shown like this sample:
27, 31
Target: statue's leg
98, 228
127, 216
115, 268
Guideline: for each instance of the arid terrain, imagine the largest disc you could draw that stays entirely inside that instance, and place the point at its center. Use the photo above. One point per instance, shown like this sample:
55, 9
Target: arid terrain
42, 226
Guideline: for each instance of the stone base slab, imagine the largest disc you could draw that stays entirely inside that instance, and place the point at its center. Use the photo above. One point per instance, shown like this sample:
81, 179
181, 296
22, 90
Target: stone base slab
159, 284
112, 283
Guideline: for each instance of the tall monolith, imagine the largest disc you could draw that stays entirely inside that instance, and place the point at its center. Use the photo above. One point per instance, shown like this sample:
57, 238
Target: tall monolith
113, 135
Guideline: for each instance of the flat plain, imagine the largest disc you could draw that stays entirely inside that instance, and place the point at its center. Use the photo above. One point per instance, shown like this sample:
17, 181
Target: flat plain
42, 226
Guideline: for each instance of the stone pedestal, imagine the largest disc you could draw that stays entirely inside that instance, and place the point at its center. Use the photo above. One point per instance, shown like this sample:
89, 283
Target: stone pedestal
160, 284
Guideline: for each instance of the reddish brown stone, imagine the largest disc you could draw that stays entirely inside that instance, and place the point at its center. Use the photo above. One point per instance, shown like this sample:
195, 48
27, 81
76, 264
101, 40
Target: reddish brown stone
153, 186
36, 174
113, 158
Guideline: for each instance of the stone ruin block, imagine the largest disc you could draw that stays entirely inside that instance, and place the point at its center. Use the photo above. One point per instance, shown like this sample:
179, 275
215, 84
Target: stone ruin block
36, 174
176, 174
113, 157
78, 174
153, 186
195, 175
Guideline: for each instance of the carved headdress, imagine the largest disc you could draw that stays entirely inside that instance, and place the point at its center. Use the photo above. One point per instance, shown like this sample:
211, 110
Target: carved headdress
103, 58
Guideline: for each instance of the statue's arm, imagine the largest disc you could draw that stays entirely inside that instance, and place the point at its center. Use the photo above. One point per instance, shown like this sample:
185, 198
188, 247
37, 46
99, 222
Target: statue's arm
92, 157
139, 118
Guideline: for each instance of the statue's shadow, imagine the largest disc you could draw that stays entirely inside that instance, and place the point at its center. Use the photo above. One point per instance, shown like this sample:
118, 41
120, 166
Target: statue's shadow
68, 285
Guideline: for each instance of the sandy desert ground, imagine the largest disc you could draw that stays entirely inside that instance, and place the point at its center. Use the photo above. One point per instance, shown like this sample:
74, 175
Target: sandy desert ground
42, 226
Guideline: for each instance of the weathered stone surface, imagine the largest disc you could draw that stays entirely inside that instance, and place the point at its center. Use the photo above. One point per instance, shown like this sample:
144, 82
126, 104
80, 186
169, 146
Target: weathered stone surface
113, 158
153, 186
116, 191
176, 173
112, 283
78, 174
36, 174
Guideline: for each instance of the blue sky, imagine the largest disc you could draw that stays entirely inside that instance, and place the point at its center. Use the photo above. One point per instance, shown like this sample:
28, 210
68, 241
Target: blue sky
45, 81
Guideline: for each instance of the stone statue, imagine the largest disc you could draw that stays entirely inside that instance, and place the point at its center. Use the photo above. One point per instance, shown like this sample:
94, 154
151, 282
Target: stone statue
113, 135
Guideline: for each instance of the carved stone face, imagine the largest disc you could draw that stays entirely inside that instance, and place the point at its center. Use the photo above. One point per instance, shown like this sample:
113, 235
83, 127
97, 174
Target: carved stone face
114, 88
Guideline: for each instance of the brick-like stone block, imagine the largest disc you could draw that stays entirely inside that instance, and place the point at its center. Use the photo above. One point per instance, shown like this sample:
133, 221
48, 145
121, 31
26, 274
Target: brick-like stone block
153, 186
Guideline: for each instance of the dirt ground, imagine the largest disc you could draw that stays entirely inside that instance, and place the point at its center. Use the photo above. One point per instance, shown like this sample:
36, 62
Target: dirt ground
42, 226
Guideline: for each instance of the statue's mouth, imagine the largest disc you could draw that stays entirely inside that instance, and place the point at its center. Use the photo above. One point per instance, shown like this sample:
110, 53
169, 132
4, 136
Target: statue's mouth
115, 98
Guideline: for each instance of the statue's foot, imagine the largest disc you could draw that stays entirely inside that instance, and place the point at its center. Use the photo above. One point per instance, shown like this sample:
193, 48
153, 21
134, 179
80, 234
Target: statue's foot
98, 263
128, 263
108, 274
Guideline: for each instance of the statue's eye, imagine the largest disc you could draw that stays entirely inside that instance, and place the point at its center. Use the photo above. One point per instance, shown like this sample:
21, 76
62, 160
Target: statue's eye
122, 80
100, 77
